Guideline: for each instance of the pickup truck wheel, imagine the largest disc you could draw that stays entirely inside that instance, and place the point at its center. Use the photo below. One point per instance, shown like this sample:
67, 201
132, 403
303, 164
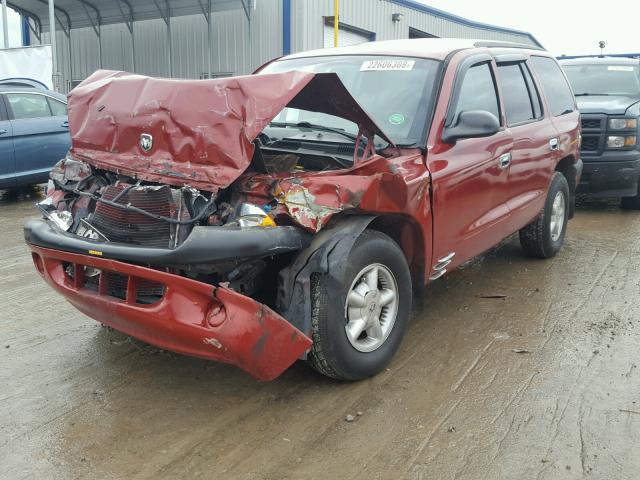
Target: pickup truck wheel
544, 237
356, 335
631, 203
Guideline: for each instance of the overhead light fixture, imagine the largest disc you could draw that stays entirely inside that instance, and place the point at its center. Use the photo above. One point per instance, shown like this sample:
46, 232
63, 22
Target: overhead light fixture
397, 17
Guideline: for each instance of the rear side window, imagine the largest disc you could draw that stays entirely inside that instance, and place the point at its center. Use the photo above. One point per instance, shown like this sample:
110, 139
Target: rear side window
554, 84
478, 91
515, 94
28, 105
58, 109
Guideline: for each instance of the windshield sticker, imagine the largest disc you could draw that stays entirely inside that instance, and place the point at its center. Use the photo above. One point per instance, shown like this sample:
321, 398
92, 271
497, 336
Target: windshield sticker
387, 65
396, 119
620, 68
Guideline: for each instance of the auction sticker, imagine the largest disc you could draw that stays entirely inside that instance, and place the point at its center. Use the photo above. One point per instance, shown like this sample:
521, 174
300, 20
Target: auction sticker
396, 119
620, 68
387, 65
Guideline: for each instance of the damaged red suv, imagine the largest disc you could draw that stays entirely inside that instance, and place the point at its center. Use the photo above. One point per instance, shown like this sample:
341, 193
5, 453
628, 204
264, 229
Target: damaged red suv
290, 214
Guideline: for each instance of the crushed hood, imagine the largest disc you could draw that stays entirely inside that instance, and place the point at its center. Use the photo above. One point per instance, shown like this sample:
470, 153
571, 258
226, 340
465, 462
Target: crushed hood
201, 130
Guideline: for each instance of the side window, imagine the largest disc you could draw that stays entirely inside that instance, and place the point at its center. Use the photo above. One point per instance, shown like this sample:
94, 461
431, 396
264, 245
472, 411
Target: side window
533, 91
554, 84
515, 94
478, 91
58, 109
28, 105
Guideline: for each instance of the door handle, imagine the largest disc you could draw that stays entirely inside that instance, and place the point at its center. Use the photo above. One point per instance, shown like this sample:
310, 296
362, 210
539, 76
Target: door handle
2, 132
65, 124
505, 160
554, 145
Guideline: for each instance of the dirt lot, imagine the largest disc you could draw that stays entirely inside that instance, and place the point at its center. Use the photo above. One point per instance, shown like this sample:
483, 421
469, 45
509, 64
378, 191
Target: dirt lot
541, 384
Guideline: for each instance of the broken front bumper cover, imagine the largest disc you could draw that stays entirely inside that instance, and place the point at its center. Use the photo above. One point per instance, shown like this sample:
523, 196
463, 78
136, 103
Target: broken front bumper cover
191, 317
204, 244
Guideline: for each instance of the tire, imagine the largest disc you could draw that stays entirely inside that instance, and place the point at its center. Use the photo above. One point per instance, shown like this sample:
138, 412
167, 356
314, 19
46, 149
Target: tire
333, 354
631, 203
543, 238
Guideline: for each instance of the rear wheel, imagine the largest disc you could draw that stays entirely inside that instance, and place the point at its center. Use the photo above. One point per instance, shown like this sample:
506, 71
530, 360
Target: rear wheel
356, 335
544, 237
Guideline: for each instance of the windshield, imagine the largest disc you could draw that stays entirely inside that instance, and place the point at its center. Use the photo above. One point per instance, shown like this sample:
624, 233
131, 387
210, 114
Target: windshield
396, 92
604, 79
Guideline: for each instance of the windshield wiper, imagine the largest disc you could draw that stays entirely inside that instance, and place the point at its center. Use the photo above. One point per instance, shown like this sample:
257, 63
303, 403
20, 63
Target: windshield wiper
586, 94
315, 126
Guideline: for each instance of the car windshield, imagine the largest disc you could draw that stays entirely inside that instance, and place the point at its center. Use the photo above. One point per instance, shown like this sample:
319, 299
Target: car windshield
604, 79
396, 92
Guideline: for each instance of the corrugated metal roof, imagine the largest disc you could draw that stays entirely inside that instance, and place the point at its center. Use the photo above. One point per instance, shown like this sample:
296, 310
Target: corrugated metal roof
71, 14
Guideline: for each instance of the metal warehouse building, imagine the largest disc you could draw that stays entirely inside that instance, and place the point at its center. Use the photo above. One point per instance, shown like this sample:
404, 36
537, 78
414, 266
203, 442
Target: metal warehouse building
212, 38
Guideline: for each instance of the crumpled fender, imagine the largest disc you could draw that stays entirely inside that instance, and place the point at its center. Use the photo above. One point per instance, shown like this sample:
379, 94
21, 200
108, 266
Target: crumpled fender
326, 255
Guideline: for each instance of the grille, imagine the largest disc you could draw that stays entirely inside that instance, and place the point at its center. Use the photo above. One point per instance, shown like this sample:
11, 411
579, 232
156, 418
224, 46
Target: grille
591, 123
115, 285
130, 227
589, 144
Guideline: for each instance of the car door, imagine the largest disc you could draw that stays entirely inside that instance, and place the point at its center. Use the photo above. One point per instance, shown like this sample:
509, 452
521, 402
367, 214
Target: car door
532, 159
469, 177
40, 138
7, 159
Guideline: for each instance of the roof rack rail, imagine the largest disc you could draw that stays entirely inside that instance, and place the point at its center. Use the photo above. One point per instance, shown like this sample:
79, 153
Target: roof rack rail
493, 44
610, 55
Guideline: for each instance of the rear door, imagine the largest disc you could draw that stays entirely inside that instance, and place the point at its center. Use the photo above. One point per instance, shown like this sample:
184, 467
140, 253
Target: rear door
40, 134
469, 177
532, 158
561, 105
7, 159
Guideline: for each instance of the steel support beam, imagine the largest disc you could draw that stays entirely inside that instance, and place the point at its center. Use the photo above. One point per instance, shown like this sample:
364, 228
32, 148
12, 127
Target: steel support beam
5, 25
206, 11
128, 20
52, 39
165, 14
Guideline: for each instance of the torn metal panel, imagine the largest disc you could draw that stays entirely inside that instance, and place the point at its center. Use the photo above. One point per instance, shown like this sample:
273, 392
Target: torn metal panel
191, 317
193, 132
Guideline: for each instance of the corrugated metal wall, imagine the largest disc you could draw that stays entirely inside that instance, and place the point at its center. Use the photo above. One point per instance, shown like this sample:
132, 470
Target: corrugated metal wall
230, 40
375, 16
231, 52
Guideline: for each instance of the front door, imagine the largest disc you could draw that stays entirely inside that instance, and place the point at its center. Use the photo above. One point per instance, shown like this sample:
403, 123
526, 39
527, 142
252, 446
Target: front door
470, 178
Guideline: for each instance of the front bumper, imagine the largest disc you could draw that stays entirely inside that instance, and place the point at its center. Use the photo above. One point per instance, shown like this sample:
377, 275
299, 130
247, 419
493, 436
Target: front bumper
203, 245
191, 317
613, 174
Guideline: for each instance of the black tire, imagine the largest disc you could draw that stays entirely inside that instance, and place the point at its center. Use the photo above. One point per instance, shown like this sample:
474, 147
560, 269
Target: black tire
631, 203
535, 238
332, 354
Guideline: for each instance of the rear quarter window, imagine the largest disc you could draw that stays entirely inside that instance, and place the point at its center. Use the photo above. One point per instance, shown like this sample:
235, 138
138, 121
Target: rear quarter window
554, 85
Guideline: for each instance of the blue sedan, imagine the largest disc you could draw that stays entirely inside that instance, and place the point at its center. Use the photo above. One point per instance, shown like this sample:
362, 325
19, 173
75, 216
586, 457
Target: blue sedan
34, 134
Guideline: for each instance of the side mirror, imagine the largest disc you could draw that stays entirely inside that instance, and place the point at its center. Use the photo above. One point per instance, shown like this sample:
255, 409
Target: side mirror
472, 124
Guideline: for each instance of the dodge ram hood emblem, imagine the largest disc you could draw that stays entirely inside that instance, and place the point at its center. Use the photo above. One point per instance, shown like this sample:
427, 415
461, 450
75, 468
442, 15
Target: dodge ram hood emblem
146, 142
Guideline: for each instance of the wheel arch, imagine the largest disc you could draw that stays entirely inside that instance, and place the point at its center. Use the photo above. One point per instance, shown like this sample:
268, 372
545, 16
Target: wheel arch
326, 255
567, 166
408, 235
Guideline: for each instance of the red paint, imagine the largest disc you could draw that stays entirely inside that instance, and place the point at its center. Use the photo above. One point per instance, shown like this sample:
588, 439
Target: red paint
202, 129
451, 198
192, 318
475, 203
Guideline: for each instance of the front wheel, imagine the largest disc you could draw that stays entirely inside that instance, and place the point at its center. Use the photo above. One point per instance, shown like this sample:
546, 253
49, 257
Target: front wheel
544, 237
356, 335
631, 203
